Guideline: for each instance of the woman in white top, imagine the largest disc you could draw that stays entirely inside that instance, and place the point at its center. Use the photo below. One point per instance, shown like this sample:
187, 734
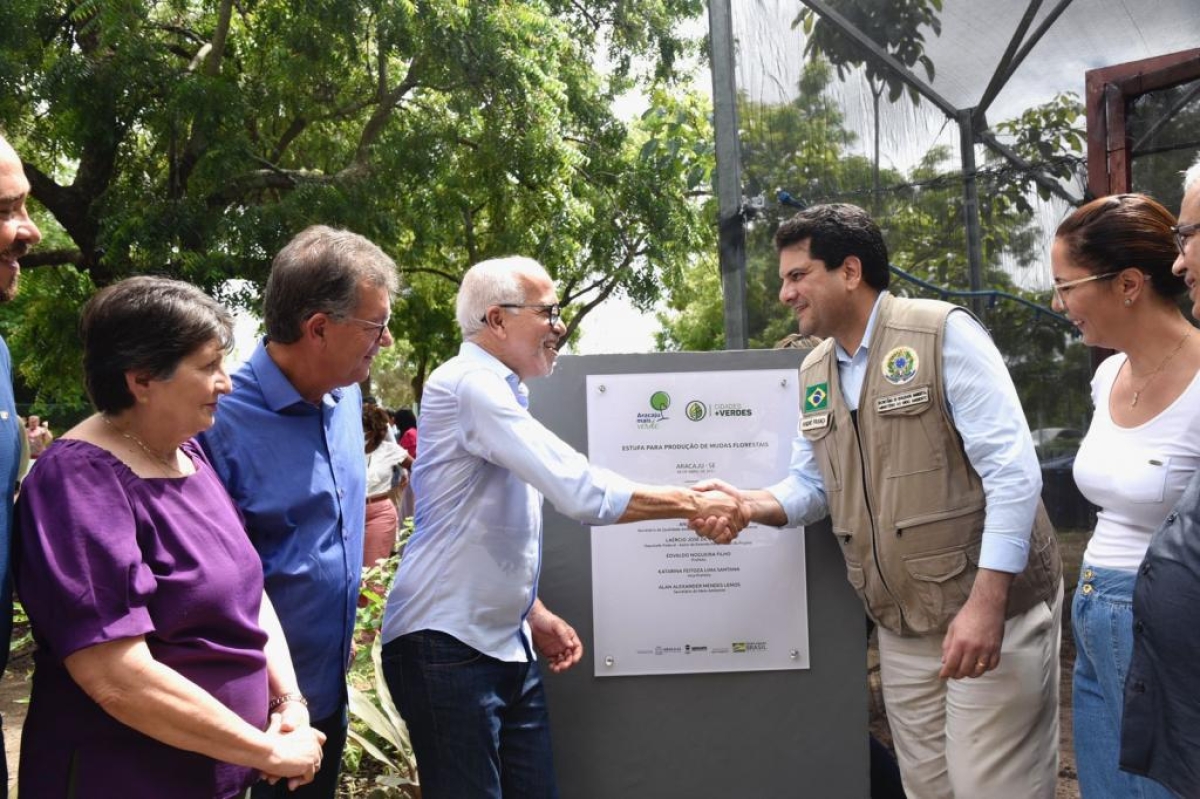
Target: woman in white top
1112, 263
384, 457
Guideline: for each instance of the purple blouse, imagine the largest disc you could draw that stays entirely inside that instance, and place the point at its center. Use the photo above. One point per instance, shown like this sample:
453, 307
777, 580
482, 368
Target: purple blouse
102, 554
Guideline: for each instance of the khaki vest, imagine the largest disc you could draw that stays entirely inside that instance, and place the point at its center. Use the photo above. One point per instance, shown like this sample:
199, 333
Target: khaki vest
906, 505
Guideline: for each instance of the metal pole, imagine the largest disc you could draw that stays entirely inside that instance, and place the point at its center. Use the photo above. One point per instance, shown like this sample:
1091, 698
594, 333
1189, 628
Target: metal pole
732, 232
966, 129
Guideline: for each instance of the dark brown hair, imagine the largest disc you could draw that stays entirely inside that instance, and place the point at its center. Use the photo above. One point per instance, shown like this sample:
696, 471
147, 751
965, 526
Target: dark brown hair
145, 324
1124, 231
375, 426
837, 231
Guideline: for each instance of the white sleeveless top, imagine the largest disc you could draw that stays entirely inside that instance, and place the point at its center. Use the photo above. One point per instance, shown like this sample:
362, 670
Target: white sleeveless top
1135, 474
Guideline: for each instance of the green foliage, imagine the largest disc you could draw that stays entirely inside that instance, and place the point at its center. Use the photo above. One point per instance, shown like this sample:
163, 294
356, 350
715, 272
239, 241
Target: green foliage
896, 26
22, 632
1051, 135
376, 728
193, 139
800, 146
43, 319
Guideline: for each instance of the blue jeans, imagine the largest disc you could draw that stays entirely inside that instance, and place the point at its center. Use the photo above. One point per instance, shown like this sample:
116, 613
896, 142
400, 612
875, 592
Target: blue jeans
479, 726
1102, 619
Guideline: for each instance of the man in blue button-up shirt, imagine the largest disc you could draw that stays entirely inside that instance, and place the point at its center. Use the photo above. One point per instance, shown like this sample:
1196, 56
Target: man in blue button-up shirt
288, 444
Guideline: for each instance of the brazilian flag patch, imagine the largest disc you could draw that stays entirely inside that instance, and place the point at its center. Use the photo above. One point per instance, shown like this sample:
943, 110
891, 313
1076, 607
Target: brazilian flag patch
816, 398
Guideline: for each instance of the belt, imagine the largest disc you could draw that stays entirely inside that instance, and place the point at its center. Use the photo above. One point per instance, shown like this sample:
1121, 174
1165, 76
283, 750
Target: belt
378, 498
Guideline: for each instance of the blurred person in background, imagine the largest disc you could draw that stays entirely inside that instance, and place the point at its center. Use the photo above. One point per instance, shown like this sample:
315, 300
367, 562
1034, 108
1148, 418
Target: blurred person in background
387, 472
406, 433
1112, 260
39, 435
406, 430
161, 668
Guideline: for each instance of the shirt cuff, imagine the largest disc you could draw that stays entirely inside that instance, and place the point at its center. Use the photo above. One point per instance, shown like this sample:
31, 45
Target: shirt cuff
1003, 553
617, 494
801, 504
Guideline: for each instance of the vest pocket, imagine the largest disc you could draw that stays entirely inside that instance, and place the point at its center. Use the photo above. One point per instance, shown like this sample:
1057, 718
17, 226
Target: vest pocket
911, 438
940, 584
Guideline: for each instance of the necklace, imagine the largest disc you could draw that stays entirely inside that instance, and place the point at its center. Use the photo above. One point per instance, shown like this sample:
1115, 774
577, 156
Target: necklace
174, 467
1137, 392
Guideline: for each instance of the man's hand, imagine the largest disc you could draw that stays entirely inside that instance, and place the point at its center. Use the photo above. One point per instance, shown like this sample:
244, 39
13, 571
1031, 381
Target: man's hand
723, 512
971, 647
554, 639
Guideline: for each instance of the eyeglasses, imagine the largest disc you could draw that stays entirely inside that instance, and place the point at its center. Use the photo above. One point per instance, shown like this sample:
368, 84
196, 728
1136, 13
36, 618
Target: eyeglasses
552, 312
1183, 233
382, 326
1061, 289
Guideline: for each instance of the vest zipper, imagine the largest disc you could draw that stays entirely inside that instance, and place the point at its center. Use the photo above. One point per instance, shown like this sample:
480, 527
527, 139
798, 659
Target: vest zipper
862, 465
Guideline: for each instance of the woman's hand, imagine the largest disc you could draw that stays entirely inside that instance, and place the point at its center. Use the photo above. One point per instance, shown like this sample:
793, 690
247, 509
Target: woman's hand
295, 754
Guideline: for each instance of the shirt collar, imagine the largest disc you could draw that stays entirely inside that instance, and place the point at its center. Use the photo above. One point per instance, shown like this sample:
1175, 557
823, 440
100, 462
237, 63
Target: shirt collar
278, 392
473, 352
864, 346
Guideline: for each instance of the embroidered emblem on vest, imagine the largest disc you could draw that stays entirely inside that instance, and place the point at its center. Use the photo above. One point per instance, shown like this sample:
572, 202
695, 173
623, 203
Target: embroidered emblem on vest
814, 422
816, 398
892, 402
900, 366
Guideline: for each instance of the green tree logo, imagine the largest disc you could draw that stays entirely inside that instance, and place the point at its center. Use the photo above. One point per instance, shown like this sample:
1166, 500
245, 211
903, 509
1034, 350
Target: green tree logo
696, 410
660, 401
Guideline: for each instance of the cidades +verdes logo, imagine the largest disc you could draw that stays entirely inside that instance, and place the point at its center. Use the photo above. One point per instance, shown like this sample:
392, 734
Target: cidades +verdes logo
697, 410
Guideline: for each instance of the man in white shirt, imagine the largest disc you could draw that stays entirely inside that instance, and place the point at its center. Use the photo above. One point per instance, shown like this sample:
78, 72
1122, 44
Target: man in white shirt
463, 618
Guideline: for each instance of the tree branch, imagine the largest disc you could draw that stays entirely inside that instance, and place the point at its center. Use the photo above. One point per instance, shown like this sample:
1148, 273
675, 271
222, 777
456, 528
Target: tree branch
428, 270
58, 257
265, 179
603, 295
198, 142
383, 112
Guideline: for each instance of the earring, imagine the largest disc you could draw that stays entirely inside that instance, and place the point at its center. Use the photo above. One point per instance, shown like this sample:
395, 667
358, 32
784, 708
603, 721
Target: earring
1128, 302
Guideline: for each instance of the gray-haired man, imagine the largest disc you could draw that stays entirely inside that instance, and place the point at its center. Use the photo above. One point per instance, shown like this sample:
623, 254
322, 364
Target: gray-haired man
288, 444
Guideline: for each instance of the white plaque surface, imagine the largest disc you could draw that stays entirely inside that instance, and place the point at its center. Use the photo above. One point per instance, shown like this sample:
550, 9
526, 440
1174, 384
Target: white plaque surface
666, 601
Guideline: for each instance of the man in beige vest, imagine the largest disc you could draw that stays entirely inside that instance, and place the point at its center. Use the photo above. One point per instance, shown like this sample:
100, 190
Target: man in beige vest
913, 441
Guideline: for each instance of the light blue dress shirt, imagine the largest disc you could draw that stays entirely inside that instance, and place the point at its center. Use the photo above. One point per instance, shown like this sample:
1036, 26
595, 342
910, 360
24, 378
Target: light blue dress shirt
297, 473
471, 567
987, 413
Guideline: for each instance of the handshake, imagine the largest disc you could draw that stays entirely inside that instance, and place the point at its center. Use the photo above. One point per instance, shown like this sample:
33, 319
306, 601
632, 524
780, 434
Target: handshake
722, 511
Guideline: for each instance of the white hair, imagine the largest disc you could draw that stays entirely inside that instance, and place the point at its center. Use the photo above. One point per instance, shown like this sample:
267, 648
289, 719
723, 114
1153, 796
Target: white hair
494, 282
1191, 178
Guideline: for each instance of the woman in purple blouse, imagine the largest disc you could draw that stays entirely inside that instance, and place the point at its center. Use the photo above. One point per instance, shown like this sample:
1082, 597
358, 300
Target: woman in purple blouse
160, 669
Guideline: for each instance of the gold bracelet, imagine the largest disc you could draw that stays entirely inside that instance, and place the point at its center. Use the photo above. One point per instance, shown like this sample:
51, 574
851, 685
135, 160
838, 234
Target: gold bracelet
283, 699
